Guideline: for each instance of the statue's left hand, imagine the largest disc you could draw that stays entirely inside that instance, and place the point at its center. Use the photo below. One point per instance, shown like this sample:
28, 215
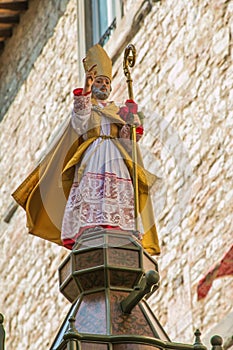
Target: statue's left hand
125, 132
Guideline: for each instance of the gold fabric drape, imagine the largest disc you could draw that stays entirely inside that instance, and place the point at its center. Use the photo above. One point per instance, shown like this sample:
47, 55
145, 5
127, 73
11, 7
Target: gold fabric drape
43, 194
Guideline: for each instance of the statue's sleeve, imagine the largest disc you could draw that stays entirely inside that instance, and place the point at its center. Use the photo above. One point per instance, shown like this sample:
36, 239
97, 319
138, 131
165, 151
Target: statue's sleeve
81, 111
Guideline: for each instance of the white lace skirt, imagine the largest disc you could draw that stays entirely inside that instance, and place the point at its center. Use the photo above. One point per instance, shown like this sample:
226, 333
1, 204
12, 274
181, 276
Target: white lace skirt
104, 195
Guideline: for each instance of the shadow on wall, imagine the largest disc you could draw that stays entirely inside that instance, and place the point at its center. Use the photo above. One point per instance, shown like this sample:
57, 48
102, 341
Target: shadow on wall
29, 37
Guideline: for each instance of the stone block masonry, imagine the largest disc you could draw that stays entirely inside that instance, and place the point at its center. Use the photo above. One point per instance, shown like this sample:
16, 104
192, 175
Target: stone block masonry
29, 279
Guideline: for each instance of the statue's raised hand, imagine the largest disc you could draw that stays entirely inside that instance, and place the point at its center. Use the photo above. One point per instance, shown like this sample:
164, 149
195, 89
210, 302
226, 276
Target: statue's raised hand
90, 75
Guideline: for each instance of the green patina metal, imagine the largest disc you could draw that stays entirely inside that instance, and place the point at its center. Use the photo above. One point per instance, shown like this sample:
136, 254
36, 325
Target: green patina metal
2, 333
107, 277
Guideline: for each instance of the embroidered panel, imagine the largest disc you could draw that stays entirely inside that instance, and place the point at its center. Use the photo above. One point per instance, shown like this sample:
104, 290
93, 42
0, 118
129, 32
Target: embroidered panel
99, 199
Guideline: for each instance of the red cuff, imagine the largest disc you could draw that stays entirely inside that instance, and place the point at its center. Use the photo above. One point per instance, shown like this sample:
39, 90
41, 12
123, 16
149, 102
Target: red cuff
79, 92
129, 101
140, 130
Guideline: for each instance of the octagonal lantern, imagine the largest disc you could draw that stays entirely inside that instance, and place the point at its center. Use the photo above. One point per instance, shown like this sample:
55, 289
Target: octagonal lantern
103, 259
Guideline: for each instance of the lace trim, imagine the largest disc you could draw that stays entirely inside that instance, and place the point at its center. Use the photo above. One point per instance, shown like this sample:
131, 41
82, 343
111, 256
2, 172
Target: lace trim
99, 199
82, 104
81, 113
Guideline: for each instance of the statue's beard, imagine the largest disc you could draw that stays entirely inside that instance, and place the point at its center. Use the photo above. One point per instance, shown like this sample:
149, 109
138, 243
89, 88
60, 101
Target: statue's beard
100, 95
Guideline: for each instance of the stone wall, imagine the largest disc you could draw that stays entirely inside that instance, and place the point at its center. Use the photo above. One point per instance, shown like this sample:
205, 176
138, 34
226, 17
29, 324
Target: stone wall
22, 50
183, 82
30, 298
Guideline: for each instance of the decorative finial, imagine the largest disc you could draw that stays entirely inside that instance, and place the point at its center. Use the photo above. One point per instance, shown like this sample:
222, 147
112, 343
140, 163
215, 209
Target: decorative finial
197, 343
197, 334
216, 341
2, 333
71, 334
72, 325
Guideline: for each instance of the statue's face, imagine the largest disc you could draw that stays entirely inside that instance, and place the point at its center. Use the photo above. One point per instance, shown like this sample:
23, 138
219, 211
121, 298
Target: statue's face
101, 87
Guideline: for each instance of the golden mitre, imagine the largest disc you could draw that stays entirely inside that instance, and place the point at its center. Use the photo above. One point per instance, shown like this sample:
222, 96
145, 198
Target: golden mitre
97, 55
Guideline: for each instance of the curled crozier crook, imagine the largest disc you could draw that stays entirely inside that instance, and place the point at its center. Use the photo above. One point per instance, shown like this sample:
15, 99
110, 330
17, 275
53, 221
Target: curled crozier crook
129, 61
